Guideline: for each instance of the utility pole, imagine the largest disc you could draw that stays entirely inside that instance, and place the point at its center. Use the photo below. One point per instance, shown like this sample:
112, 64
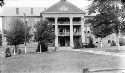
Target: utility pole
25, 29
2, 53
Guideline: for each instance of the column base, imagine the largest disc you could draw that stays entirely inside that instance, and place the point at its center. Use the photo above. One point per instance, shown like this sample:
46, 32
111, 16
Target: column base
56, 48
72, 46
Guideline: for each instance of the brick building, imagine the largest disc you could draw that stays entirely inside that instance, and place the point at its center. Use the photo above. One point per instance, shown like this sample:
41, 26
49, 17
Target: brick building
67, 19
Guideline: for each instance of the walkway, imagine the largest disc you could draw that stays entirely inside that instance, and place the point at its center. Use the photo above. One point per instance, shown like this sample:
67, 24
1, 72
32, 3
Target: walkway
95, 51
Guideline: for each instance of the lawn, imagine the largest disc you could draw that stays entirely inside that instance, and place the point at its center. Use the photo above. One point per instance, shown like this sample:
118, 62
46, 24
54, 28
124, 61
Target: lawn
59, 62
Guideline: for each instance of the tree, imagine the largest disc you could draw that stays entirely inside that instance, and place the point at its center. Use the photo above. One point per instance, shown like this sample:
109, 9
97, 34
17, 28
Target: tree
107, 21
105, 5
43, 34
16, 33
2, 3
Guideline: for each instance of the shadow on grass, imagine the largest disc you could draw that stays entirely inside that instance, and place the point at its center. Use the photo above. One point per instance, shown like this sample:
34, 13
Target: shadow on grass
35, 52
107, 70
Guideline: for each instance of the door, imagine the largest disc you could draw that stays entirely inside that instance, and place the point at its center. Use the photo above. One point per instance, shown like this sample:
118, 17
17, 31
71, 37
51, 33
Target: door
62, 41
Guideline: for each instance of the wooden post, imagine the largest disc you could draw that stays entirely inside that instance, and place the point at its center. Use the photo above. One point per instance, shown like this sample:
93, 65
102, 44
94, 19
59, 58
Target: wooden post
85, 70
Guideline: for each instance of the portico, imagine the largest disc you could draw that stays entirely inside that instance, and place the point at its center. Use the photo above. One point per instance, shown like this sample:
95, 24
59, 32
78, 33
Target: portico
68, 22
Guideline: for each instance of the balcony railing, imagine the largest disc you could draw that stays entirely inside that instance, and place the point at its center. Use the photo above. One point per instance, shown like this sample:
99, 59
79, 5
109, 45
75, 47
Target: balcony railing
68, 33
64, 33
76, 22
76, 33
66, 22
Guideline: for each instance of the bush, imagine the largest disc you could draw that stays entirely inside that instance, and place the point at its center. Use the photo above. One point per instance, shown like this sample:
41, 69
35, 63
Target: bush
19, 51
77, 44
121, 41
8, 52
113, 43
91, 45
43, 46
16, 50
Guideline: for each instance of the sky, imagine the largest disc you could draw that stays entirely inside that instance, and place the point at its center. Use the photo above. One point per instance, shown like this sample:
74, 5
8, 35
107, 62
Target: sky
40, 3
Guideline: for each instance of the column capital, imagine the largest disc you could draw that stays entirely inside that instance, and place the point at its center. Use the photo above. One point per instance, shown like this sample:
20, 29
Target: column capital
70, 17
55, 17
83, 18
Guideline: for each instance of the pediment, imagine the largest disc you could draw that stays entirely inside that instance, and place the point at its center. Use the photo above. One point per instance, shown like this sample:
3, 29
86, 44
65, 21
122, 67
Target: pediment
63, 6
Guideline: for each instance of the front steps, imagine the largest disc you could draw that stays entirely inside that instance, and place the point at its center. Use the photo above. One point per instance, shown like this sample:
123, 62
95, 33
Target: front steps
65, 48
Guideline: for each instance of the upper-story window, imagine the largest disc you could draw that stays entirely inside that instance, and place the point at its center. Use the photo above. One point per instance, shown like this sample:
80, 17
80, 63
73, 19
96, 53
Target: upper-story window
17, 11
26, 20
64, 8
31, 10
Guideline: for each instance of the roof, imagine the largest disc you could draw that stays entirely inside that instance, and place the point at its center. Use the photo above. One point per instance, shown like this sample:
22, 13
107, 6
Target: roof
11, 11
63, 6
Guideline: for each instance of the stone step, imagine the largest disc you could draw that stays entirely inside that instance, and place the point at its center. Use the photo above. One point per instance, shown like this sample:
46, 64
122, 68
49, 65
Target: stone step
65, 48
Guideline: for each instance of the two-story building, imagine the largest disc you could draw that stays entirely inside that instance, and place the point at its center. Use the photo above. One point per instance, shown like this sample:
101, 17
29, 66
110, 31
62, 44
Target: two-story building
68, 21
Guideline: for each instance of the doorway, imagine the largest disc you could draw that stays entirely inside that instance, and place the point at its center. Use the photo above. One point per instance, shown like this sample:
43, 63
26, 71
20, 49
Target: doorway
62, 41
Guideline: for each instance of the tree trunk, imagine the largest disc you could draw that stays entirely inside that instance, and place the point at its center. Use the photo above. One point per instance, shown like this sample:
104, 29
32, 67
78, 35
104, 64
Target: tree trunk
117, 42
40, 48
15, 49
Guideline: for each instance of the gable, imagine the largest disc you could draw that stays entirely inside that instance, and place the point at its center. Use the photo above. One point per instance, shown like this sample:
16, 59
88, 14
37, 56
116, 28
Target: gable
63, 6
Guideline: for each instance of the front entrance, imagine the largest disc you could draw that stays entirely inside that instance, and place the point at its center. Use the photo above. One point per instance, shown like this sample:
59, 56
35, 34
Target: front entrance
62, 41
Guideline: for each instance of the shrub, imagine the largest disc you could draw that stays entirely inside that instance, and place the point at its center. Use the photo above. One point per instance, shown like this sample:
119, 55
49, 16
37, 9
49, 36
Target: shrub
91, 45
121, 41
43, 46
19, 51
113, 43
77, 44
8, 52
16, 50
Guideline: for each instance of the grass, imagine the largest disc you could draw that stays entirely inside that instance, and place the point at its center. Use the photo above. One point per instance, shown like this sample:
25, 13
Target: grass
58, 62
107, 49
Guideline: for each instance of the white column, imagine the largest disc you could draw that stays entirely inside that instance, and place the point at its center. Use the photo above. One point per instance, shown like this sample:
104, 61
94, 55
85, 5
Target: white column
71, 32
4, 41
56, 32
82, 29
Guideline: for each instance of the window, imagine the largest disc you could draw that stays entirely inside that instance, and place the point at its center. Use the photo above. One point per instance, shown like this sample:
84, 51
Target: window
39, 19
26, 20
35, 20
32, 11
17, 11
63, 8
87, 31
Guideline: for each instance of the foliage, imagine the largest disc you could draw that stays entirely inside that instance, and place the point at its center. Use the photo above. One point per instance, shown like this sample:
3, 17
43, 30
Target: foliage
77, 44
105, 6
113, 43
104, 24
44, 31
107, 21
8, 52
16, 33
110, 18
43, 34
19, 51
91, 45
121, 41
43, 46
